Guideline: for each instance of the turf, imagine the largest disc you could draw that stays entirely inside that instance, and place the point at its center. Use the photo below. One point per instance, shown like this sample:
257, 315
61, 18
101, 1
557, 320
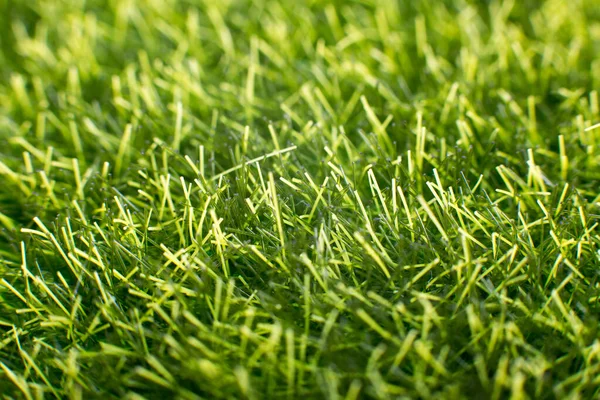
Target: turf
299, 199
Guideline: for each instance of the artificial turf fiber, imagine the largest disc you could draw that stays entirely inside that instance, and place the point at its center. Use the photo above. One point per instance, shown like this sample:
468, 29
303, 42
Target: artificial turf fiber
262, 199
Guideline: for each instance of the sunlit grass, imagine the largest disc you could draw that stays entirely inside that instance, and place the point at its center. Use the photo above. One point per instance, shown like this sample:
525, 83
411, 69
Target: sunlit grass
299, 199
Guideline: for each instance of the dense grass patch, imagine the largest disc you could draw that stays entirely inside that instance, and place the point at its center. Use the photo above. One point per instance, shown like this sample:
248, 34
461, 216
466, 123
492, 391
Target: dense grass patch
299, 199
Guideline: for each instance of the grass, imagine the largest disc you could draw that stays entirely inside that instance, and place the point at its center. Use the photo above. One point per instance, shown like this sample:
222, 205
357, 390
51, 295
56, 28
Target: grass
299, 199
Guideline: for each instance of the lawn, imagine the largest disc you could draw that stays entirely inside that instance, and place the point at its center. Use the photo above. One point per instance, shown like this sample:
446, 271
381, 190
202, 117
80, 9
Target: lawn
313, 199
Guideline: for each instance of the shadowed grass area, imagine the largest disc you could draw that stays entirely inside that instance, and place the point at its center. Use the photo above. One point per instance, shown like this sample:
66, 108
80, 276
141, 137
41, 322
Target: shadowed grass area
299, 199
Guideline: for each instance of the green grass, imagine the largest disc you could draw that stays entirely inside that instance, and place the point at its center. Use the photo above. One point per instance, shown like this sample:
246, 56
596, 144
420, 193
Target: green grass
299, 199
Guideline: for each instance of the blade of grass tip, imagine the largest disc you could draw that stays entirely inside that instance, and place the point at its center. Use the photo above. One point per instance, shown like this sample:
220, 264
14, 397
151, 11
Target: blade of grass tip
7, 285
532, 121
367, 319
311, 267
26, 273
277, 212
76, 140
15, 177
250, 79
354, 390
291, 361
472, 279
422, 273
432, 217
407, 211
77, 175
591, 128
369, 227
124, 148
405, 348
220, 241
31, 362
152, 377
594, 103
375, 187
160, 368
372, 253
54, 241
243, 381
378, 126
225, 37
28, 163
229, 298
450, 102
253, 161
178, 124
425, 354
8, 222
18, 381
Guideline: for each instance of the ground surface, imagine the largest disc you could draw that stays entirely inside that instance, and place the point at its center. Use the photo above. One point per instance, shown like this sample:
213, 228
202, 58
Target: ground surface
299, 199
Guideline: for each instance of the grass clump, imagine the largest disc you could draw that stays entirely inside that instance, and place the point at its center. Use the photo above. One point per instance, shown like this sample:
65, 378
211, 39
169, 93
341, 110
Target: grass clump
286, 199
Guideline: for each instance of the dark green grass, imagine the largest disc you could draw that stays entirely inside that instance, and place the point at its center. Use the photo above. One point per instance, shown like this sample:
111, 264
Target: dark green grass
299, 199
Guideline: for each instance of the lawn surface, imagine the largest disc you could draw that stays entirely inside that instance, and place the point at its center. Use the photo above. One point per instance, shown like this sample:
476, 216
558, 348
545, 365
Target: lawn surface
299, 199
